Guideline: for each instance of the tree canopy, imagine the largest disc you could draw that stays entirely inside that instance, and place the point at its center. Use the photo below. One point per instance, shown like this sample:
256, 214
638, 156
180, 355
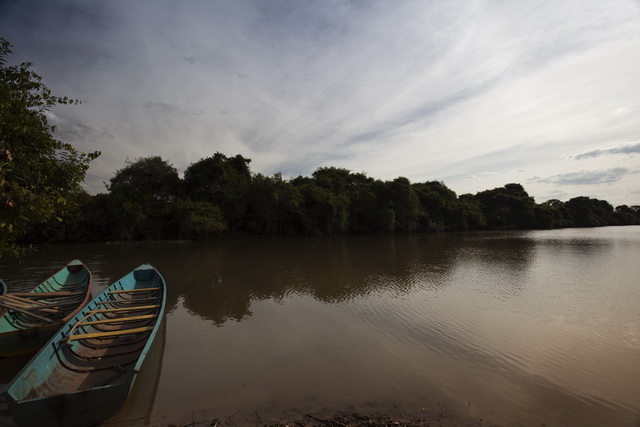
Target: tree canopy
220, 196
40, 176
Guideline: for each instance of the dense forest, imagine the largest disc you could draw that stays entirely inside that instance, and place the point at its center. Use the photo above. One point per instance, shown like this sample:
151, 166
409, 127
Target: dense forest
220, 196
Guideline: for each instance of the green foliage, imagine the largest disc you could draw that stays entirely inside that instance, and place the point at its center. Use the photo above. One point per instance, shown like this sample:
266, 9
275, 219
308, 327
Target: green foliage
559, 214
363, 206
471, 213
324, 212
588, 212
507, 207
199, 220
224, 197
222, 181
141, 192
404, 203
148, 177
40, 176
273, 206
625, 215
440, 207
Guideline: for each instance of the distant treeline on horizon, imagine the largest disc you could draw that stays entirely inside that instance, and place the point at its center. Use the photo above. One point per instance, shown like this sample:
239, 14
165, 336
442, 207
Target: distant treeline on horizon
220, 196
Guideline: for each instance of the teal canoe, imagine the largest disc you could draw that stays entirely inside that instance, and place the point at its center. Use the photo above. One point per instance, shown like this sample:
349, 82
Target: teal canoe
84, 374
3, 291
31, 318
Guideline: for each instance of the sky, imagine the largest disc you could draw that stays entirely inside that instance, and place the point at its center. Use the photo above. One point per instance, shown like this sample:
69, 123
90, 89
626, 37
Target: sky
473, 93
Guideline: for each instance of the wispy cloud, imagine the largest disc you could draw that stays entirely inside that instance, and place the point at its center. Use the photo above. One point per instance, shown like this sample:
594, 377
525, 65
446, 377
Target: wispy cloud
469, 92
631, 148
173, 109
554, 194
607, 176
481, 175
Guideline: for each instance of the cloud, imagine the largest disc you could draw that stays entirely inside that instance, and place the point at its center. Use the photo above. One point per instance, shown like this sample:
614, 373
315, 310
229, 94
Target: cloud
426, 90
607, 176
167, 108
554, 194
76, 131
631, 148
70, 129
191, 59
481, 175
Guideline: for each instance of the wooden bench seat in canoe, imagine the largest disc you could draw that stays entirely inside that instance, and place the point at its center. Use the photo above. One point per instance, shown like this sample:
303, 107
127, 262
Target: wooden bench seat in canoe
110, 334
45, 295
129, 291
127, 301
123, 309
118, 320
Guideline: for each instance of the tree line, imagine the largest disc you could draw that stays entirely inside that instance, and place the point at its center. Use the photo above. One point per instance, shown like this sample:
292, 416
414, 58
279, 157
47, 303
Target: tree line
220, 196
41, 198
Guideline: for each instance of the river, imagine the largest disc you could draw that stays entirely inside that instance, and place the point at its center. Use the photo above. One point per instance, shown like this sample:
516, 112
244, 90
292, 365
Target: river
511, 328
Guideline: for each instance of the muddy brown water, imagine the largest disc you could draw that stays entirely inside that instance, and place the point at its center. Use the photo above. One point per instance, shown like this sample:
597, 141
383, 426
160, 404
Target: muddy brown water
514, 328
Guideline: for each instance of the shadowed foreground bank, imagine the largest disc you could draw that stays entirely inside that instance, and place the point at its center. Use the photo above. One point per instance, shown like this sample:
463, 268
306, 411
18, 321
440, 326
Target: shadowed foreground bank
394, 416
441, 417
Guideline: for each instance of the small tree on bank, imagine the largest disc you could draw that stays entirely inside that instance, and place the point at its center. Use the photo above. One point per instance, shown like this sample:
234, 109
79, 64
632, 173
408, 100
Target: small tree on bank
38, 173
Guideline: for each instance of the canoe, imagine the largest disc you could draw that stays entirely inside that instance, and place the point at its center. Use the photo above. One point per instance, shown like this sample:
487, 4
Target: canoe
3, 291
84, 374
31, 318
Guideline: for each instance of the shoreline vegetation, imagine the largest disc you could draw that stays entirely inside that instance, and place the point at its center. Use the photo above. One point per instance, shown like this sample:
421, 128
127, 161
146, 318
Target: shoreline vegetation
220, 196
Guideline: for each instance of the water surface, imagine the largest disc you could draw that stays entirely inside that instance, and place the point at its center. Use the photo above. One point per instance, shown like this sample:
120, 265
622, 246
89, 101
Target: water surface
512, 328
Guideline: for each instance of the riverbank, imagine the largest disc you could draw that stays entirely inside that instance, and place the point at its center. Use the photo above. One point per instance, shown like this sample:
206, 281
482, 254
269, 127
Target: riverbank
439, 416
303, 420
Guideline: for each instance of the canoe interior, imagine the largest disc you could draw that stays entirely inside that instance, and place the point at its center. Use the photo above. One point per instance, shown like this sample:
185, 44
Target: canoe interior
97, 353
24, 330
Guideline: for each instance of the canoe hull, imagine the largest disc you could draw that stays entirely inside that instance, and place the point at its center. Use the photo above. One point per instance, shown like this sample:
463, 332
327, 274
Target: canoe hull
74, 409
26, 341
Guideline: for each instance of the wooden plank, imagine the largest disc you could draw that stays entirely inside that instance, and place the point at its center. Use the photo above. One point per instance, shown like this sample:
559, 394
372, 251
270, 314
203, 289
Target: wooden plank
134, 290
127, 300
37, 305
13, 304
118, 320
20, 299
44, 294
110, 333
117, 310
18, 303
29, 309
29, 313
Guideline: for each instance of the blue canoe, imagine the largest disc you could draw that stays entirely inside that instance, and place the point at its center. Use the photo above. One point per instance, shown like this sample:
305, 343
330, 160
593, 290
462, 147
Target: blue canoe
84, 374
3, 290
30, 319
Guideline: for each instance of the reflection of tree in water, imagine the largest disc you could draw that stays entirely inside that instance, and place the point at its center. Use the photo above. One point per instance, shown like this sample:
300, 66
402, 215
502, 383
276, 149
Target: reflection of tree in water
220, 281
503, 257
